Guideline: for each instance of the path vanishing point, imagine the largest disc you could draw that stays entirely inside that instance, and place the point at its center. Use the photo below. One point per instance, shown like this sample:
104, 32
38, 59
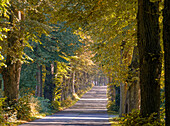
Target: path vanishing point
90, 110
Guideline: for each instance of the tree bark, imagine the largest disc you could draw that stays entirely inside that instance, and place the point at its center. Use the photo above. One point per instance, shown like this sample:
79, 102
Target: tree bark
111, 90
73, 83
122, 90
49, 85
149, 56
11, 73
117, 99
133, 93
70, 83
38, 81
41, 82
0, 84
77, 81
166, 39
11, 77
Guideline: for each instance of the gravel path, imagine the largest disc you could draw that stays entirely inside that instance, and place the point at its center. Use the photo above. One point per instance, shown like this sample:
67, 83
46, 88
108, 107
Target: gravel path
90, 110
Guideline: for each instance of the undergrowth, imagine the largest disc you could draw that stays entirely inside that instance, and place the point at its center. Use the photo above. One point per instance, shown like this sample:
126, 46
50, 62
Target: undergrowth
29, 108
135, 119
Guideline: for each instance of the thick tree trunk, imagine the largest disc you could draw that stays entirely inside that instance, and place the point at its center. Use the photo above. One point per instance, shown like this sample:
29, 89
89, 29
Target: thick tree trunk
11, 77
166, 39
38, 81
149, 56
49, 85
11, 73
133, 93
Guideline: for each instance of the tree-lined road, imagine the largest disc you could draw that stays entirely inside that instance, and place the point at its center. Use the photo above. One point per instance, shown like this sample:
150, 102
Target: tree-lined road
89, 110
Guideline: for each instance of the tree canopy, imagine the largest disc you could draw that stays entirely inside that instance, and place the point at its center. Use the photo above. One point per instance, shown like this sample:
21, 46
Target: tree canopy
62, 47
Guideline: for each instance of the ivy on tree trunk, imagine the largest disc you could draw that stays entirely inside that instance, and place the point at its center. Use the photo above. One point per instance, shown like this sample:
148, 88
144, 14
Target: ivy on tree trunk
11, 73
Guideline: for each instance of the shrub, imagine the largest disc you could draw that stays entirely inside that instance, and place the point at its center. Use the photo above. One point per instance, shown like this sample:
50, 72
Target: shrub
134, 119
23, 108
2, 100
28, 106
17, 110
35, 105
112, 107
66, 102
56, 105
45, 105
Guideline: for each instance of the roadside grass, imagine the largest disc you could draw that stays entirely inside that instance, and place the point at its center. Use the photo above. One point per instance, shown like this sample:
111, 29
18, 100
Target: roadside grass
115, 121
71, 101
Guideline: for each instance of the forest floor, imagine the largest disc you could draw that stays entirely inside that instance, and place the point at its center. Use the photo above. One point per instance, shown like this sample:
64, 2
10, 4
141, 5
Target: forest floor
89, 110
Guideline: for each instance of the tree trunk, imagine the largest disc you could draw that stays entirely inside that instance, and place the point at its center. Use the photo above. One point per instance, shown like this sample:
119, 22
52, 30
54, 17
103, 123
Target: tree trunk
122, 91
97, 78
76, 81
66, 88
73, 83
117, 99
63, 84
149, 56
133, 92
0, 84
11, 77
11, 73
49, 85
38, 81
70, 83
166, 39
41, 83
111, 90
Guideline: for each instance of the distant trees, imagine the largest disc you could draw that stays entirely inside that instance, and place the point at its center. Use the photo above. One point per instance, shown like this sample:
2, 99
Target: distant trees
116, 27
60, 67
